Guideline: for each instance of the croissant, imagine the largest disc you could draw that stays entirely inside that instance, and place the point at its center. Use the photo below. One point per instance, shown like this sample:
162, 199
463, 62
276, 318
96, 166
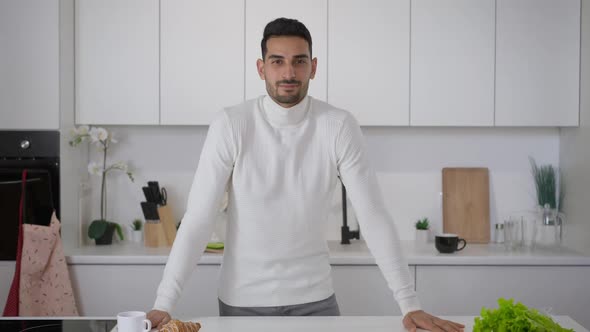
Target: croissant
176, 325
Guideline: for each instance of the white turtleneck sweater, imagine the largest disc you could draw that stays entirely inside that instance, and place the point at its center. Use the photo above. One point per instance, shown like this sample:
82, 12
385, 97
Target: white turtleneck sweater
281, 167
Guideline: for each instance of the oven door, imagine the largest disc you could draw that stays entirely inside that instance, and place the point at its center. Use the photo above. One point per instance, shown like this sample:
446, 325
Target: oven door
38, 205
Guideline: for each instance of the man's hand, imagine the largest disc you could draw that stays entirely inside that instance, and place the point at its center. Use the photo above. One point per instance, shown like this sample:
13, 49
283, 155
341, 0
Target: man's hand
420, 319
158, 318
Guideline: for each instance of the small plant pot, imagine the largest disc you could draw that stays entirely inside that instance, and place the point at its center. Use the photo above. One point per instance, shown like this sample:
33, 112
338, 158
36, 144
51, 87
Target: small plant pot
136, 236
422, 236
107, 237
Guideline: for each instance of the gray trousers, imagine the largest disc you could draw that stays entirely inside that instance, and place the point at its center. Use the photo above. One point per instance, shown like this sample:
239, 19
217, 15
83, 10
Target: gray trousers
327, 307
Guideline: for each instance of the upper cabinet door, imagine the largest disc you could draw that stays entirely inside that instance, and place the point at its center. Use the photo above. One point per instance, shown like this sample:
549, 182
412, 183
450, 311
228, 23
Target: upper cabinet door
117, 61
369, 59
202, 59
452, 70
312, 13
538, 63
29, 64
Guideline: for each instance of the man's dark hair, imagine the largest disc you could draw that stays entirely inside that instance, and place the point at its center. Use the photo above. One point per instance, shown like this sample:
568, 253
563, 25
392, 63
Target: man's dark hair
285, 27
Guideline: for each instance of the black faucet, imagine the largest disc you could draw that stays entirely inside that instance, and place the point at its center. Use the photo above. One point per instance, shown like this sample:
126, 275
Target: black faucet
346, 233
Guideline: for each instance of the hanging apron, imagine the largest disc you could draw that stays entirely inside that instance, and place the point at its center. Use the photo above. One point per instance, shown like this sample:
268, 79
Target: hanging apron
44, 285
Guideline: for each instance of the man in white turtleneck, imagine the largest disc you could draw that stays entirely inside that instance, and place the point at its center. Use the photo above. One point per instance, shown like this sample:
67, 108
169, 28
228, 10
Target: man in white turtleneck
280, 157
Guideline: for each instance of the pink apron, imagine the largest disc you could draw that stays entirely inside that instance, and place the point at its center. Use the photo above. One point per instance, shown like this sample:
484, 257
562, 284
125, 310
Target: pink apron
43, 286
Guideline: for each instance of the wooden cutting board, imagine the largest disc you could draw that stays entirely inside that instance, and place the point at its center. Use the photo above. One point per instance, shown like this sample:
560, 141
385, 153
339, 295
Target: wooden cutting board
466, 203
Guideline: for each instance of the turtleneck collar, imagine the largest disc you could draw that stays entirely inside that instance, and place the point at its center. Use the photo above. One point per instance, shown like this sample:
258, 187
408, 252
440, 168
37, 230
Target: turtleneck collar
281, 116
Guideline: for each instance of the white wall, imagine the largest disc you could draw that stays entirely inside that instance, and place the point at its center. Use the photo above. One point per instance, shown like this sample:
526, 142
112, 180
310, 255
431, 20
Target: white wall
575, 154
71, 159
408, 162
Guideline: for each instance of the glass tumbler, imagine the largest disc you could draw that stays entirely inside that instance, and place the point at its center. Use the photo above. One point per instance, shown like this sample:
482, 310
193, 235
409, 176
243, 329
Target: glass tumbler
513, 233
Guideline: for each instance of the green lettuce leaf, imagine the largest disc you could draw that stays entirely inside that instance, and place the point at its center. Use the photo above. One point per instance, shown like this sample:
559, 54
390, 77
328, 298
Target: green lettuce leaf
511, 317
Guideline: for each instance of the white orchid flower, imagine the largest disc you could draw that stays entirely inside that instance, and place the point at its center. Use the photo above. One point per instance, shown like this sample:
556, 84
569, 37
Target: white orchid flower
79, 135
98, 134
83, 130
93, 135
102, 139
103, 134
94, 168
120, 166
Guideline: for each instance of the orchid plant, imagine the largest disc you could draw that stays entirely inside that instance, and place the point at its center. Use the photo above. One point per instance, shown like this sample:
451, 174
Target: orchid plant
102, 139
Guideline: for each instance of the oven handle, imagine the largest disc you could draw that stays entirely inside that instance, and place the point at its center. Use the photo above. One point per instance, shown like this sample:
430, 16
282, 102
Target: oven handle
19, 181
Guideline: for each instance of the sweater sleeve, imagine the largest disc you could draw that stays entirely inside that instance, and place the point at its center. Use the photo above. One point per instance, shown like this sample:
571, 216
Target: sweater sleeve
209, 184
376, 223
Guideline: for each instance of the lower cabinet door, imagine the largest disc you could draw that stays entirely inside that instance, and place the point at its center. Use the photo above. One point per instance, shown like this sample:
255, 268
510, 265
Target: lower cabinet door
361, 290
105, 290
6, 275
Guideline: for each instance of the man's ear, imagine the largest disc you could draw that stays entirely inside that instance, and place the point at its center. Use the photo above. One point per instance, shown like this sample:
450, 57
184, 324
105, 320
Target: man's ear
260, 68
314, 65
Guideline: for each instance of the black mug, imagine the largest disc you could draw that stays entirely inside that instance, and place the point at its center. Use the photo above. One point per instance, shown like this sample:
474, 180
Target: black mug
448, 243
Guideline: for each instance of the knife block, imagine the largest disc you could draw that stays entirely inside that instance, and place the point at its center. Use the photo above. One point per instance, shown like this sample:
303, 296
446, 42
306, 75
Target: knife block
154, 235
167, 220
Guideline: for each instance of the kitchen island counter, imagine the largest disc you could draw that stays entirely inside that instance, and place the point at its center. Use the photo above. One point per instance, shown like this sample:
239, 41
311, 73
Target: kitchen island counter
356, 253
534, 278
258, 324
333, 324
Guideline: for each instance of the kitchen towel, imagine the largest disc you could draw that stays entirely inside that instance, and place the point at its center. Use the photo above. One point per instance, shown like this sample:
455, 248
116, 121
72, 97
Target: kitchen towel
45, 285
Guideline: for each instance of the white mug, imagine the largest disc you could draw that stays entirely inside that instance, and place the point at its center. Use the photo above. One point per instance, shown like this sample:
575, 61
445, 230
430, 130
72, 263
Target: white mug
133, 321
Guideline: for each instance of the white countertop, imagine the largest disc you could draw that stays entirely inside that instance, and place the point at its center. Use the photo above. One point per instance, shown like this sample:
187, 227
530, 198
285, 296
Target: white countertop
356, 253
312, 324
333, 324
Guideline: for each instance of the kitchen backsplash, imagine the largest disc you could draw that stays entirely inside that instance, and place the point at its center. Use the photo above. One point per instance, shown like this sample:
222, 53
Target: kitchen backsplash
408, 162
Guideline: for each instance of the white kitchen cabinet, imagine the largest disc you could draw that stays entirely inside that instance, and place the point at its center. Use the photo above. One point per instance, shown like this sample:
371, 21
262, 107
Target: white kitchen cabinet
452, 63
464, 290
202, 59
312, 13
537, 62
361, 290
29, 64
369, 60
105, 290
6, 275
117, 62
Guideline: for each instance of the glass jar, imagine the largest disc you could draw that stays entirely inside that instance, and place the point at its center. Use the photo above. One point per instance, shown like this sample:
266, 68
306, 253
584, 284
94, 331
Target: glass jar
513, 235
499, 233
549, 227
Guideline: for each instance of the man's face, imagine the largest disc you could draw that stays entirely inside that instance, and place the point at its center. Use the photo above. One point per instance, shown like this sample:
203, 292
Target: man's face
287, 69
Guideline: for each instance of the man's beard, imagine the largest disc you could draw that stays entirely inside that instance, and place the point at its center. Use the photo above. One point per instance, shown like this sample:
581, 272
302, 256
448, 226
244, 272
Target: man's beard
290, 99
273, 91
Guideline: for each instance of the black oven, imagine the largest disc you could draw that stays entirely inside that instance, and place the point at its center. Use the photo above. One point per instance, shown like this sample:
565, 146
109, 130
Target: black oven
38, 152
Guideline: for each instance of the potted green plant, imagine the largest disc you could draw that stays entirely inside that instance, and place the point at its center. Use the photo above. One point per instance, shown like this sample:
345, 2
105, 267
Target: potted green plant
136, 230
550, 193
548, 186
101, 230
422, 230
